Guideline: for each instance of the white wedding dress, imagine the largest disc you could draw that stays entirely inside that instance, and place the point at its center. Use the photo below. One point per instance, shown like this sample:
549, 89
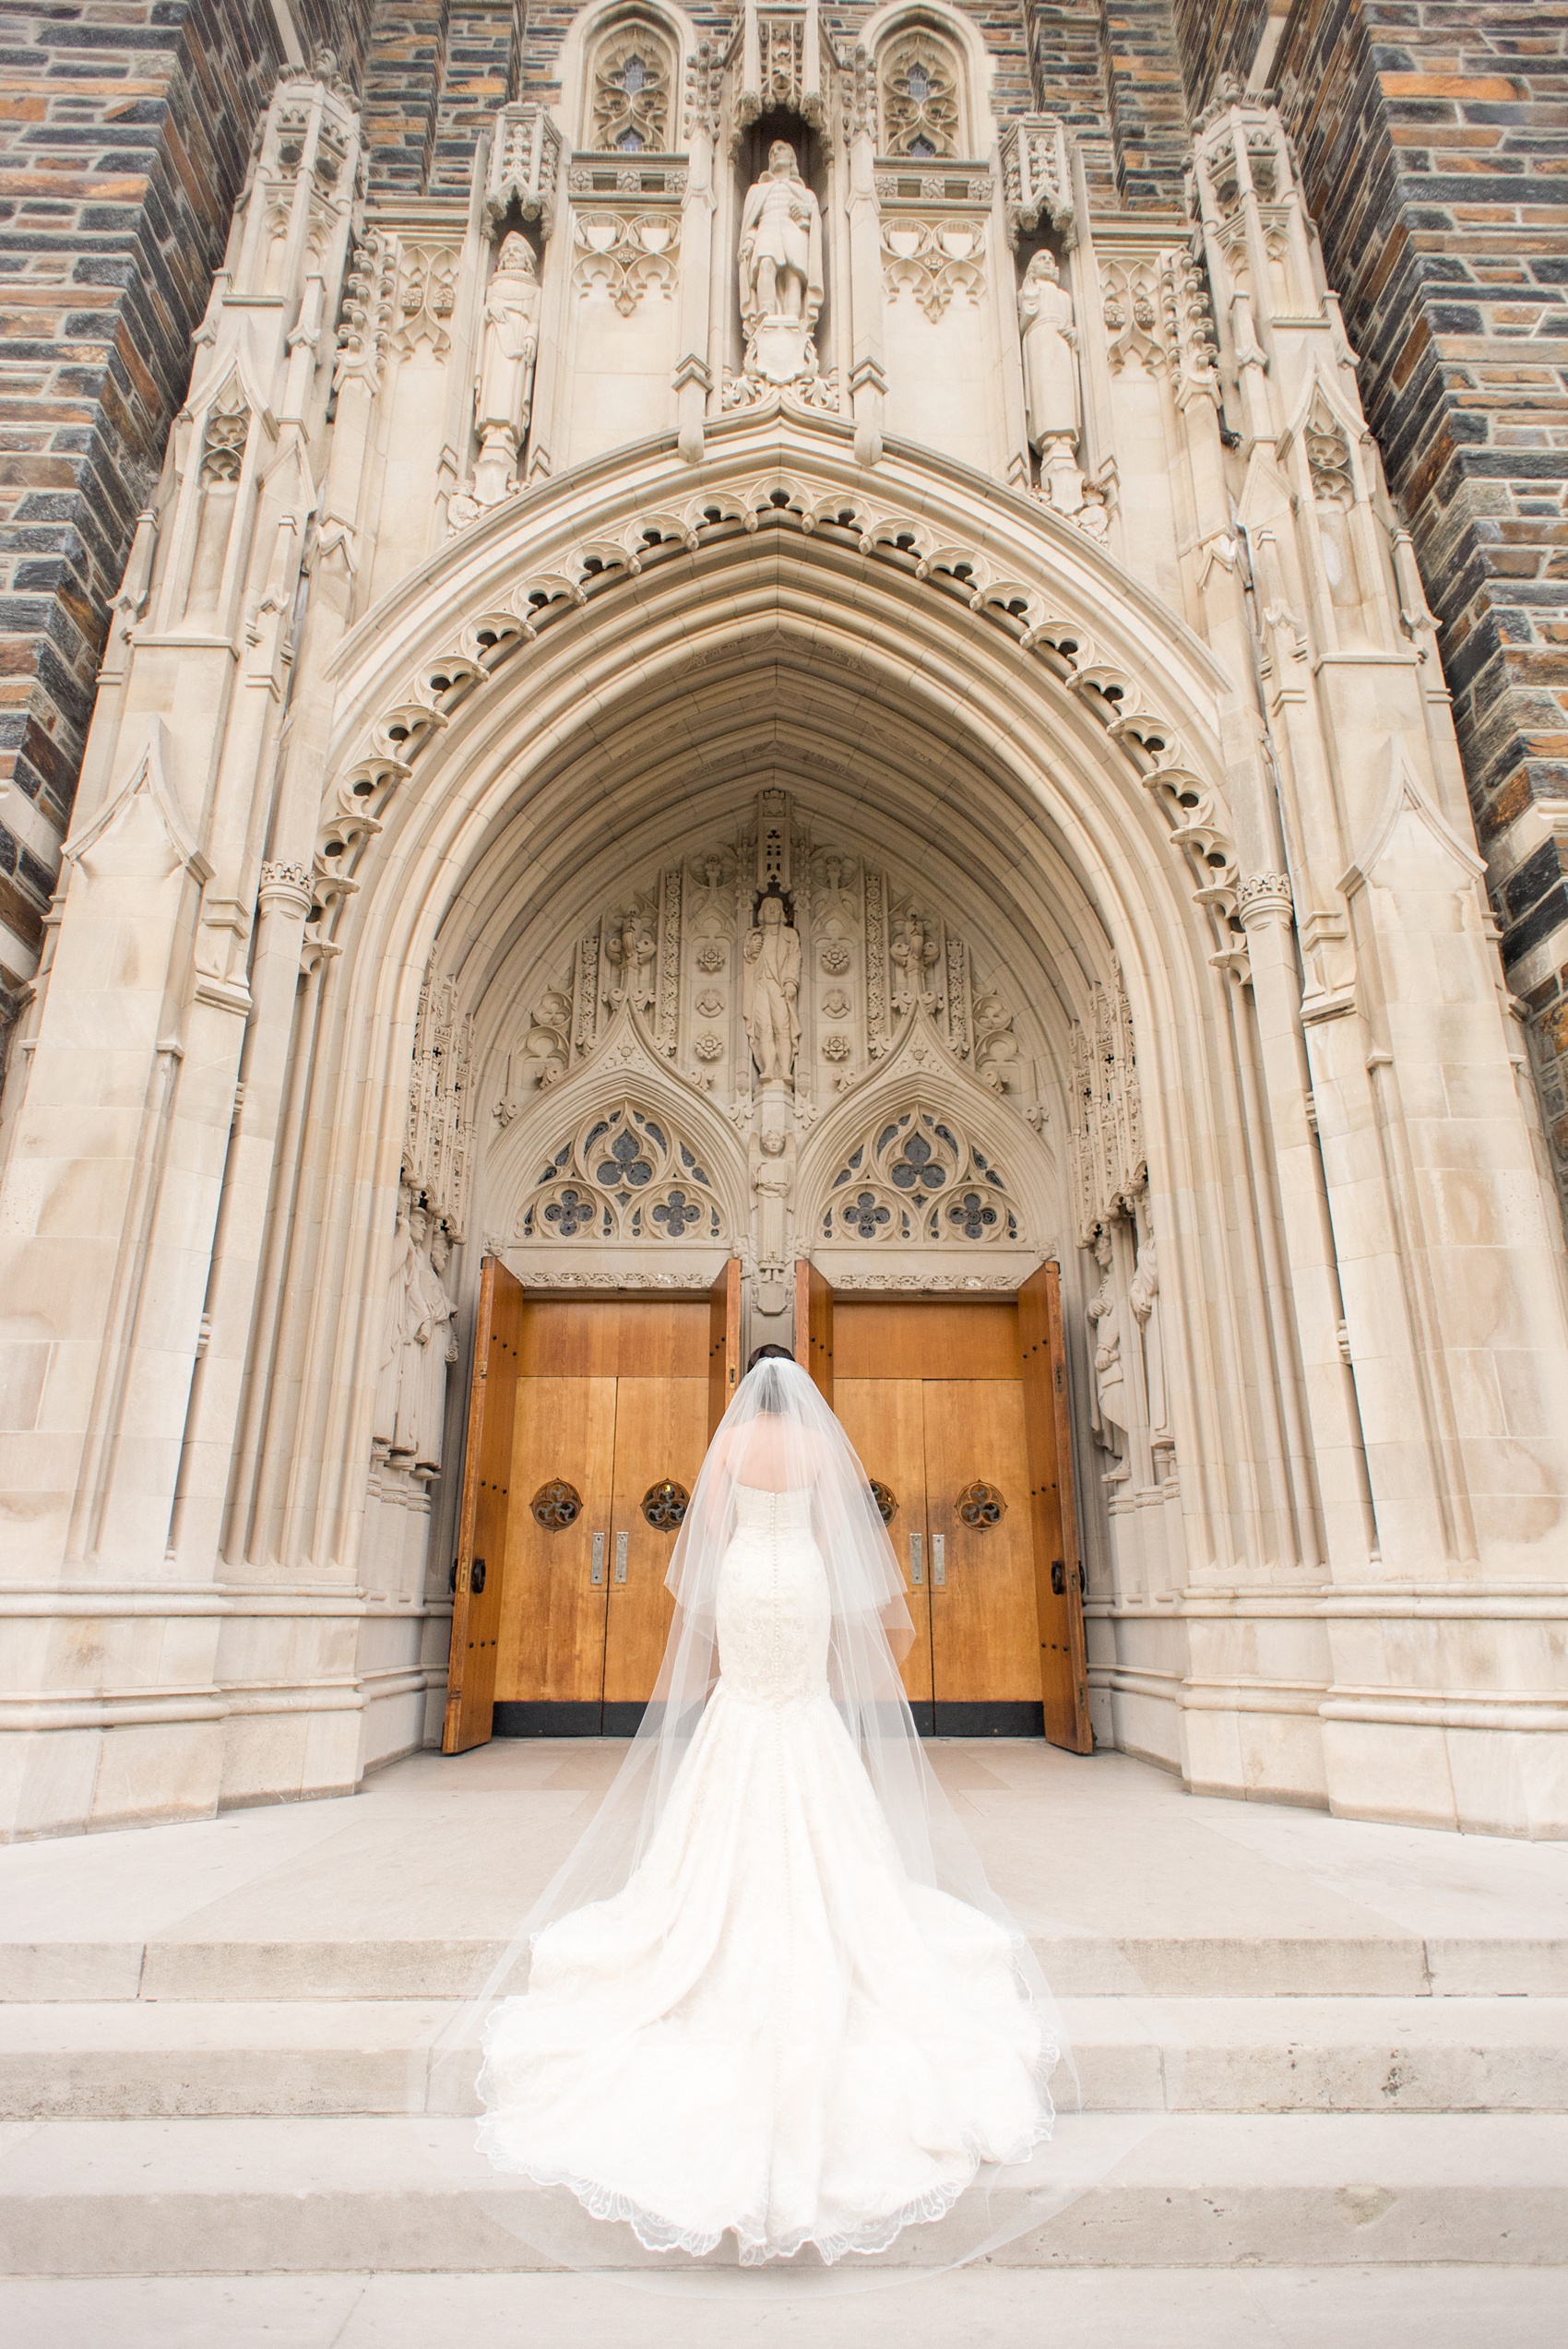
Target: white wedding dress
771, 2030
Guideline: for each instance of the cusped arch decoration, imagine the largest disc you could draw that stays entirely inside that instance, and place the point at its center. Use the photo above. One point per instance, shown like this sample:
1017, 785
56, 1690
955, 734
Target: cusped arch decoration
632, 84
1003, 576
624, 1154
925, 1157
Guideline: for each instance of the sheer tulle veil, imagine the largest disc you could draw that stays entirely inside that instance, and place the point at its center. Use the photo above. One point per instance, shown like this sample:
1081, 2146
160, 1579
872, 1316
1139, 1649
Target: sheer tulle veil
778, 1434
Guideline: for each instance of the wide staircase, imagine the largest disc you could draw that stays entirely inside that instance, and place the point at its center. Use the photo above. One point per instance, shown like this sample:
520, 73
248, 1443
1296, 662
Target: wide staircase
1358, 2035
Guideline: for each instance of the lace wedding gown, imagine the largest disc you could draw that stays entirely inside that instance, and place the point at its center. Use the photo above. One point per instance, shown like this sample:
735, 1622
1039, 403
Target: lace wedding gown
771, 2030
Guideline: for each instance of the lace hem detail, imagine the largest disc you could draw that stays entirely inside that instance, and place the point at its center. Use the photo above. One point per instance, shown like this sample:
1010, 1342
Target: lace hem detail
657, 2233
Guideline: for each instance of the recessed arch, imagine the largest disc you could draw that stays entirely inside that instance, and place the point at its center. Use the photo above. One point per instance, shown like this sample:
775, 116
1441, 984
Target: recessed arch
1042, 750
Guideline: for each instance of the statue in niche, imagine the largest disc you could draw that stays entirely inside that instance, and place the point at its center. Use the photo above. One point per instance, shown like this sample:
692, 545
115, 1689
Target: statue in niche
1143, 1296
712, 907
780, 269
397, 1386
914, 953
1109, 1414
1051, 380
503, 386
436, 1337
836, 913
772, 989
631, 950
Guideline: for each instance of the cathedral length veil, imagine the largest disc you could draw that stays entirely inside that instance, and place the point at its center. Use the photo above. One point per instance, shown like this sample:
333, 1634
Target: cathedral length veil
779, 1432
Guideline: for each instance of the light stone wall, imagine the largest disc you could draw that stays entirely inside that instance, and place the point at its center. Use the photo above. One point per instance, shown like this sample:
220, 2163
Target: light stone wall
1065, 670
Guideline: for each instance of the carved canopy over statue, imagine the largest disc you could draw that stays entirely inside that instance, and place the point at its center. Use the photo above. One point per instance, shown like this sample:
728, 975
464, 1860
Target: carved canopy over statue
781, 259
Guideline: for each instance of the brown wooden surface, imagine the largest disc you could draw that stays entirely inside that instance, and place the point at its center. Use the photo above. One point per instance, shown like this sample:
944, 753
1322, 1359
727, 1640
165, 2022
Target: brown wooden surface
551, 1637
984, 1635
925, 1339
885, 1419
482, 1512
1063, 1655
815, 1331
615, 1337
660, 1430
723, 1342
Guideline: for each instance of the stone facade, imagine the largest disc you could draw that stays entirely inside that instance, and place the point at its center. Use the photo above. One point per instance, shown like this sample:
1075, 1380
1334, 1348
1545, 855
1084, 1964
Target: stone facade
779, 636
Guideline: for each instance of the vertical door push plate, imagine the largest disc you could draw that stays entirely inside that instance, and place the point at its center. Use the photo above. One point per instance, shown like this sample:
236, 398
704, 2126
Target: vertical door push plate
621, 1542
597, 1576
917, 1559
939, 1560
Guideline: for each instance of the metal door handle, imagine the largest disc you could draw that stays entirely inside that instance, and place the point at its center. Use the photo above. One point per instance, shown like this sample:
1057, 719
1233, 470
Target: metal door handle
597, 1575
917, 1559
621, 1542
939, 1560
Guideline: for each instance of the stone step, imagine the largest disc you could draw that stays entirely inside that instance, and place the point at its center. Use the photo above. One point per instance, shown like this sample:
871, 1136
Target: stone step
1077, 1965
289, 2196
135, 2059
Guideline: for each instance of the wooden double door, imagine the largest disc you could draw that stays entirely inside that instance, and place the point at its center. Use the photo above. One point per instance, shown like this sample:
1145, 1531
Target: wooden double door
588, 1423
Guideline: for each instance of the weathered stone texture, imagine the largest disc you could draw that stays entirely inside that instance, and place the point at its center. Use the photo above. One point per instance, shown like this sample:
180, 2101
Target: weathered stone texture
1434, 139
123, 136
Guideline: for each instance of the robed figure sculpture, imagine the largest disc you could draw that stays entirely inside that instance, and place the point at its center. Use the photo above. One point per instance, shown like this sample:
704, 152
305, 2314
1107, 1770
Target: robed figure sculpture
780, 269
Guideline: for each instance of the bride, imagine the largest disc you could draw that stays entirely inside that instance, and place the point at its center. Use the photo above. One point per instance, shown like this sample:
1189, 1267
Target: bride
770, 1993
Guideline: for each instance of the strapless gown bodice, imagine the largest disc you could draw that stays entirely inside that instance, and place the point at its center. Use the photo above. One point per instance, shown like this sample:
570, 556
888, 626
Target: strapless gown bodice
772, 1610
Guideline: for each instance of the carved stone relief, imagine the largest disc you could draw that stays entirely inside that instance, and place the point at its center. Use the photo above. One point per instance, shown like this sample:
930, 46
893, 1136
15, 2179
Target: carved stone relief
920, 95
1110, 1164
438, 1144
625, 1175
932, 260
632, 89
776, 971
628, 255
917, 1178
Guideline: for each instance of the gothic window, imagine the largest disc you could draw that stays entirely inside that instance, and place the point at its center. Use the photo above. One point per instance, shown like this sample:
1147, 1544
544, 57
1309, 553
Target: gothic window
631, 87
920, 95
625, 1175
919, 1178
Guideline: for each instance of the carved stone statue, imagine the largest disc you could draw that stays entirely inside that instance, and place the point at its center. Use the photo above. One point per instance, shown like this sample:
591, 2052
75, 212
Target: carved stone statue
630, 950
780, 269
438, 1351
914, 953
407, 1327
503, 386
1110, 1415
1143, 1296
1051, 380
772, 989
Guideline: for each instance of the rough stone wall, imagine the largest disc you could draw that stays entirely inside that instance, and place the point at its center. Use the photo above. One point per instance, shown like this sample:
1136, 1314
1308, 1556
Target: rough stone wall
1433, 139
123, 136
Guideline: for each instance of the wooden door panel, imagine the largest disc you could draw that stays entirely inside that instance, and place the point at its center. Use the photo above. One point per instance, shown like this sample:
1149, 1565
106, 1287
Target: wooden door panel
616, 1338
723, 1342
926, 1338
814, 1326
885, 1419
660, 1433
984, 1632
550, 1673
1058, 1581
479, 1575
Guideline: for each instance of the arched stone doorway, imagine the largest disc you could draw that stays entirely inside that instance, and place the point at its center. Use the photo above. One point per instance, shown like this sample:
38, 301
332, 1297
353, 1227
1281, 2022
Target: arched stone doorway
560, 716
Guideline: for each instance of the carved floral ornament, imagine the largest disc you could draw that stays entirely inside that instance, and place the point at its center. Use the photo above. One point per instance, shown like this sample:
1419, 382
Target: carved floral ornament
963, 574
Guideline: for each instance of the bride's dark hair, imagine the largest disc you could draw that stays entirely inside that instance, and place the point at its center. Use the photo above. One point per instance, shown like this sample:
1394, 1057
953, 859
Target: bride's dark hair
768, 1354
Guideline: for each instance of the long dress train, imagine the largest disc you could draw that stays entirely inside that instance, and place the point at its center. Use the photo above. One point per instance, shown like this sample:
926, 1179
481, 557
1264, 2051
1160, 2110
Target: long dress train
771, 2029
